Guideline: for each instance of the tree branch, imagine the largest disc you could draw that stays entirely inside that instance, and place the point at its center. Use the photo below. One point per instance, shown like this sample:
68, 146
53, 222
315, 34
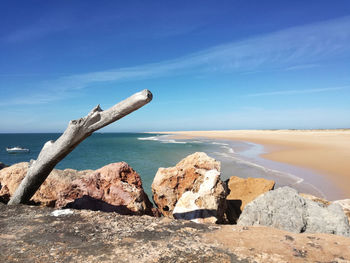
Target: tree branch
78, 130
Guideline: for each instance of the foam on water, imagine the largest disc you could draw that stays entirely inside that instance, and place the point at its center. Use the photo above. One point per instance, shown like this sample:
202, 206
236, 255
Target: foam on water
172, 141
196, 142
297, 179
219, 143
230, 150
151, 138
161, 138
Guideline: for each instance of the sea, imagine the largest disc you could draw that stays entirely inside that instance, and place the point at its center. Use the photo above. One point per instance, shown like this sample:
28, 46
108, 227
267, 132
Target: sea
147, 152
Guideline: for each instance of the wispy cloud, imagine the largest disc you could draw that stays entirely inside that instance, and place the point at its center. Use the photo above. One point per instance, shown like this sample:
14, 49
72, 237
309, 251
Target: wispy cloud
296, 91
290, 48
32, 32
35, 98
305, 66
45, 25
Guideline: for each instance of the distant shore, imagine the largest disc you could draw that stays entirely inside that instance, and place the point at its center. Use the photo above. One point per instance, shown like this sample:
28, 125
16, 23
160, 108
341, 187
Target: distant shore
324, 151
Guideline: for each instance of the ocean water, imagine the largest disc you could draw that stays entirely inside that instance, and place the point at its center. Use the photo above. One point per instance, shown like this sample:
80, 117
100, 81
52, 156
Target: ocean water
147, 152
145, 156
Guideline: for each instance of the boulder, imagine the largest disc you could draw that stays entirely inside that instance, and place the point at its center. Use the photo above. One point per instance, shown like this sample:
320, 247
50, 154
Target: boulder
170, 183
345, 204
11, 177
330, 219
191, 190
285, 209
47, 195
115, 187
316, 199
242, 191
205, 202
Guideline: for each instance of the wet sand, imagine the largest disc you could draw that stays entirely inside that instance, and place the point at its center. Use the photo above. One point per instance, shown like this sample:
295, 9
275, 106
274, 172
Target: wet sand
323, 151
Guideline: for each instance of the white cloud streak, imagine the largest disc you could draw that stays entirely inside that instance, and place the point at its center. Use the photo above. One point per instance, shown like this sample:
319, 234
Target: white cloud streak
306, 66
45, 25
289, 48
296, 91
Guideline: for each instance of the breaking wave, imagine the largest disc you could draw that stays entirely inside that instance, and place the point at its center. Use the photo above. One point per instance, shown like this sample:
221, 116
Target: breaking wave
161, 138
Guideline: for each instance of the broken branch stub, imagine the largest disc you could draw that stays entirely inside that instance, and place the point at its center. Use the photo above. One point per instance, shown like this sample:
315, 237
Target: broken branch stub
78, 130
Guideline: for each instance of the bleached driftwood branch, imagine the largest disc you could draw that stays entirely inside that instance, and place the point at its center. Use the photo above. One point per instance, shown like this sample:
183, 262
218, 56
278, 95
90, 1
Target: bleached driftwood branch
77, 130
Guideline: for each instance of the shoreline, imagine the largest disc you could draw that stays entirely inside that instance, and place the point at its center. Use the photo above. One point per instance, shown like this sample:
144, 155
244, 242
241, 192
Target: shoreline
324, 152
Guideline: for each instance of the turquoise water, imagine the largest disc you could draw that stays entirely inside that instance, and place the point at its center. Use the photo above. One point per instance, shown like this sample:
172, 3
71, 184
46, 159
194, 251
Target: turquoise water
147, 152
145, 156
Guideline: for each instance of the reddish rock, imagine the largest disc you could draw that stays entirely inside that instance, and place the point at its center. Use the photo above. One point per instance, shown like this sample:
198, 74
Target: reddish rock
170, 183
11, 177
242, 191
114, 187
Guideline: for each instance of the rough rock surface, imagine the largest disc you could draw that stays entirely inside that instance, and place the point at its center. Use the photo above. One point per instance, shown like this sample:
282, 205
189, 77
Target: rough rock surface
34, 234
48, 192
170, 183
285, 209
115, 187
204, 203
242, 191
345, 204
316, 199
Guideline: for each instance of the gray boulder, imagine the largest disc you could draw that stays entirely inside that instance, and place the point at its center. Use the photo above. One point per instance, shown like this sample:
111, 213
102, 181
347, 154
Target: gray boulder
285, 209
330, 219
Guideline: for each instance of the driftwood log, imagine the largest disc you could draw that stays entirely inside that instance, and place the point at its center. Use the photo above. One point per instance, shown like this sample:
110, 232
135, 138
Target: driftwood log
78, 130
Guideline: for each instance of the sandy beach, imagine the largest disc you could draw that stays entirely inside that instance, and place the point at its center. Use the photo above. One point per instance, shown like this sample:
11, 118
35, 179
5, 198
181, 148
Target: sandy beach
324, 151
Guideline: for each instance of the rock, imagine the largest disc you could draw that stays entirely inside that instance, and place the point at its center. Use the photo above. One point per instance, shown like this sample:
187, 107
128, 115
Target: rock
330, 220
115, 187
11, 177
170, 183
242, 191
285, 209
282, 208
345, 204
40, 234
48, 193
205, 202
2, 165
316, 199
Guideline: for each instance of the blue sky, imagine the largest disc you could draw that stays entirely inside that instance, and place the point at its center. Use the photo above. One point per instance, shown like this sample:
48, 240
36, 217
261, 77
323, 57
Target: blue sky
209, 64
